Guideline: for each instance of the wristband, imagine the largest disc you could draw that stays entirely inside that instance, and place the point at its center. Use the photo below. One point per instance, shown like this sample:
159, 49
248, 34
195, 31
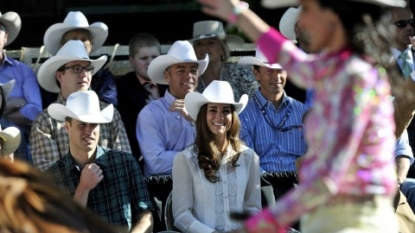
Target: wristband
263, 222
237, 10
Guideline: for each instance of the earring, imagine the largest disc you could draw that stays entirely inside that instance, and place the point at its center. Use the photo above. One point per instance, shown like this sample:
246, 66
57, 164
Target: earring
222, 57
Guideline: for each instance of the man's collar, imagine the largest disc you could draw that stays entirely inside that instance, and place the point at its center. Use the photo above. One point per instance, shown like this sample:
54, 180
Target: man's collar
264, 101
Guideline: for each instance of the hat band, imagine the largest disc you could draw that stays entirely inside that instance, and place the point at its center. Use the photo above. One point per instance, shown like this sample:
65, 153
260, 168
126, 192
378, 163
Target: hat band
198, 37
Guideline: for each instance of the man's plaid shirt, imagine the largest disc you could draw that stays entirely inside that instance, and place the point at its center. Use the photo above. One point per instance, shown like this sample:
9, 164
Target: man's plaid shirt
119, 197
49, 140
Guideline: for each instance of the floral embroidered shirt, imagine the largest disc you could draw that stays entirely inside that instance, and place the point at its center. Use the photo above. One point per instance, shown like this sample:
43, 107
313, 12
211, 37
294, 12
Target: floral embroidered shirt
349, 131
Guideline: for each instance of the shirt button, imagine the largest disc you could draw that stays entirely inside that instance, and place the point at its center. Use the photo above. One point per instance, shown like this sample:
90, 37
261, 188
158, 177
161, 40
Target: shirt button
178, 117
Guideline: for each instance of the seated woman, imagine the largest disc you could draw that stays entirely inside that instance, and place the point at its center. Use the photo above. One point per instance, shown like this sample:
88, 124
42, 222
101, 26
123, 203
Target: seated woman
218, 175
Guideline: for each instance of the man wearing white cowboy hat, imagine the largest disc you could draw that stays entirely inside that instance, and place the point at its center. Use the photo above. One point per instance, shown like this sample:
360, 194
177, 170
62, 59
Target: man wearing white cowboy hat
108, 182
25, 101
209, 38
76, 27
164, 127
69, 71
272, 124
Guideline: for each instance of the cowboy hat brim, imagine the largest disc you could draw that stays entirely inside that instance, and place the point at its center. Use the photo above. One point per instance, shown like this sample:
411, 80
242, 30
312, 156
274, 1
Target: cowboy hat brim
233, 42
11, 137
47, 71
54, 33
60, 112
161, 63
11, 20
255, 61
287, 23
194, 100
287, 3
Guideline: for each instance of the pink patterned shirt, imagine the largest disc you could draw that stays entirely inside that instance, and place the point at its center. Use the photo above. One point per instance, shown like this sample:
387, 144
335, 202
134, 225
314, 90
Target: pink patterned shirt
349, 131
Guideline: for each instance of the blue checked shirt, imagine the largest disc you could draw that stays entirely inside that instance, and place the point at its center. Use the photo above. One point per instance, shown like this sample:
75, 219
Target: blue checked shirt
120, 195
276, 135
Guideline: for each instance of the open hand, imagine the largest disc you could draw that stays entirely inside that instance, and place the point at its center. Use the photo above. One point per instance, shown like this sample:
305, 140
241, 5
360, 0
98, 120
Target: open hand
218, 8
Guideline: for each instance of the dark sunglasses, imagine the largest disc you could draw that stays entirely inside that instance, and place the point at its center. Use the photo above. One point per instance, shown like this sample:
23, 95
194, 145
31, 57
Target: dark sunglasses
403, 23
77, 69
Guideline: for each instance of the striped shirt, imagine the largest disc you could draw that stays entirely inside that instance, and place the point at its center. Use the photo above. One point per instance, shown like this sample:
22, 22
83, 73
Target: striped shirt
276, 135
119, 197
49, 141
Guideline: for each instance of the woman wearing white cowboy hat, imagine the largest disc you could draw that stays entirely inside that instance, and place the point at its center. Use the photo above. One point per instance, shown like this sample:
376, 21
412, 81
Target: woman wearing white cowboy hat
209, 38
76, 27
348, 175
221, 173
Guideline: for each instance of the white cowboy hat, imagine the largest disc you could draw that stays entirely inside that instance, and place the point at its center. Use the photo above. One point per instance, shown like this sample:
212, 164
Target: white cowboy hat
12, 22
285, 3
180, 52
73, 50
259, 60
11, 137
288, 21
74, 20
82, 106
216, 92
214, 29
7, 88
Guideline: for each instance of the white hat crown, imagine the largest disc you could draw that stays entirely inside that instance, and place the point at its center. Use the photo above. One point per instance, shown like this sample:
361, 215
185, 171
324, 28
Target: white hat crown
218, 92
260, 56
84, 103
76, 19
74, 48
182, 50
207, 29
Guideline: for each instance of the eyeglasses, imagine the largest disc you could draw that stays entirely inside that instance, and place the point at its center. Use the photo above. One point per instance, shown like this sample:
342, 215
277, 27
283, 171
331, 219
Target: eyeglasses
403, 23
77, 69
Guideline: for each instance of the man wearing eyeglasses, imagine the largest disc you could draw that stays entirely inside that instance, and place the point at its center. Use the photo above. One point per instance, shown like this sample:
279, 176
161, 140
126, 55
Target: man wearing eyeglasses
69, 71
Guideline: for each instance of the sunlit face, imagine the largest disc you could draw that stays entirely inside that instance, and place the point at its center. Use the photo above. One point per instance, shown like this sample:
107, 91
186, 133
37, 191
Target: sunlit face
219, 119
402, 33
3, 37
82, 136
272, 80
71, 82
79, 34
182, 79
303, 38
211, 46
142, 59
318, 23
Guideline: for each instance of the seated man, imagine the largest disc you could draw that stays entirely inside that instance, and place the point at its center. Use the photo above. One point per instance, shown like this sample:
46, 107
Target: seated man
164, 127
108, 182
75, 26
272, 125
24, 102
69, 71
136, 89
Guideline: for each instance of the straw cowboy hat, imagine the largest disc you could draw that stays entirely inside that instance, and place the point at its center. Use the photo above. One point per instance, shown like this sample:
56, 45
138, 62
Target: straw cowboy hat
7, 88
74, 20
73, 50
12, 22
180, 52
259, 60
288, 21
214, 29
11, 137
82, 106
216, 92
285, 3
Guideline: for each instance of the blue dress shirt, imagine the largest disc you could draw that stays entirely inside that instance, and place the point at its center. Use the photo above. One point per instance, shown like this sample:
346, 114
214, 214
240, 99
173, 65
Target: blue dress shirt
276, 135
26, 86
161, 134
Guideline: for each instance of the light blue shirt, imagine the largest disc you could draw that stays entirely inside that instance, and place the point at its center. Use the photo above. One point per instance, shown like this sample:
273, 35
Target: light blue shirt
403, 148
161, 134
276, 135
26, 86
